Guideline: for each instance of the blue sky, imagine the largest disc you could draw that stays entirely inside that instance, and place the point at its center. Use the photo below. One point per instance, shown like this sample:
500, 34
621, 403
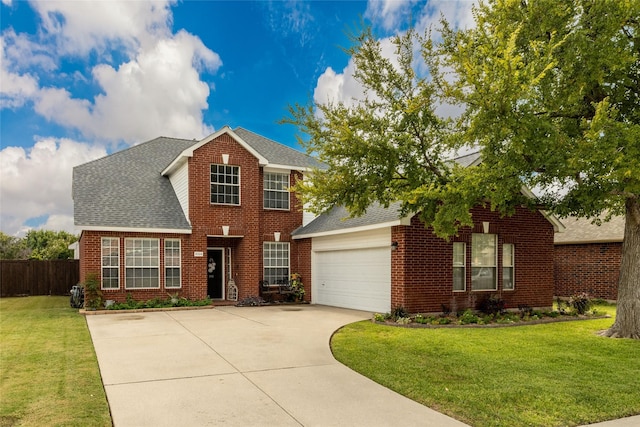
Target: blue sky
82, 79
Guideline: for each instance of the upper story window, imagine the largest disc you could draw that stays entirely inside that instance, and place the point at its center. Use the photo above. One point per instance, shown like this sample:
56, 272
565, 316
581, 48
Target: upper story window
483, 262
225, 184
276, 191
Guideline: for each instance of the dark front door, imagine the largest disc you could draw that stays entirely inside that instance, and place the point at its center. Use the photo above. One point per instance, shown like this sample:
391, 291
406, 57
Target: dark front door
215, 274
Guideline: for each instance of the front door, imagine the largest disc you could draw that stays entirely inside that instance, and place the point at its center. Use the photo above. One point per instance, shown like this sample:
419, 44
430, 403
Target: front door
215, 274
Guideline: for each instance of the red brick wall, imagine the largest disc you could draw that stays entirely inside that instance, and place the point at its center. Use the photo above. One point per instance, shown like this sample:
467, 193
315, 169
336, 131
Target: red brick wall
90, 262
422, 271
303, 264
593, 268
248, 220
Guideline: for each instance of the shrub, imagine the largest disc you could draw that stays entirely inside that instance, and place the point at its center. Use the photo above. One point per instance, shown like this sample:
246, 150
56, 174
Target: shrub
92, 291
424, 320
446, 310
399, 312
403, 320
379, 317
525, 310
492, 305
581, 302
468, 317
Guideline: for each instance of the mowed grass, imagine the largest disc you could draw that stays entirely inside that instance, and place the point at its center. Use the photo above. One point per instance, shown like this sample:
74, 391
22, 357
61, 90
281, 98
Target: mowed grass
49, 373
558, 374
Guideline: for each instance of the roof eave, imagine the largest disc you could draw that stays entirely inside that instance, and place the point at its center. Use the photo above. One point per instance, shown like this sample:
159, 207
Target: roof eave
82, 228
400, 221
225, 129
558, 226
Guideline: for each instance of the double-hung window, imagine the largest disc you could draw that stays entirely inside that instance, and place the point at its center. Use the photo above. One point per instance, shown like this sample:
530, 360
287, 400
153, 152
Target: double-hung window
172, 263
459, 266
110, 252
483, 262
142, 263
275, 257
508, 279
276, 191
225, 184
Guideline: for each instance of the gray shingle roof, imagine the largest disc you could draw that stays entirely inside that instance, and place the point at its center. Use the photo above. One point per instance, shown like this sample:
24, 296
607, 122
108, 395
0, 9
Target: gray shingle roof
126, 189
277, 153
467, 159
338, 219
580, 230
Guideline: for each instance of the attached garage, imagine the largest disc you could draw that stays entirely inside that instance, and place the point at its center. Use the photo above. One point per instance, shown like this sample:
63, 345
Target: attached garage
353, 270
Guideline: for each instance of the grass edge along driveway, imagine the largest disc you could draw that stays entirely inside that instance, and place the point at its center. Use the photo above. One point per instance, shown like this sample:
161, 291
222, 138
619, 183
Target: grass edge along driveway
557, 374
49, 372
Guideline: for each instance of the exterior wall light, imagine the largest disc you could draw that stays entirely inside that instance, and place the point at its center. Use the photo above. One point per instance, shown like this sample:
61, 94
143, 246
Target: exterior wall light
394, 246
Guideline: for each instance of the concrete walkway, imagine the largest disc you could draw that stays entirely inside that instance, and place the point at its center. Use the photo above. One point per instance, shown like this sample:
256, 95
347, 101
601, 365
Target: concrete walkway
232, 366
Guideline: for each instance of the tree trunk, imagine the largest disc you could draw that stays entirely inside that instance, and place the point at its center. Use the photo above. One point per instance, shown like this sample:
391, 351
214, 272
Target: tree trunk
627, 324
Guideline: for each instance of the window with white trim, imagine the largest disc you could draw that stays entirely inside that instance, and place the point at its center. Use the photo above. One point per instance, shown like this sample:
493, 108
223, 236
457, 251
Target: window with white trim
225, 184
276, 190
172, 264
142, 263
508, 277
483, 262
459, 266
110, 253
275, 257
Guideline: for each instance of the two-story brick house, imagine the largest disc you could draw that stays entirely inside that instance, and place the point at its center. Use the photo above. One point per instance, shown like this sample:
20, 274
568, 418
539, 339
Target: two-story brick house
173, 215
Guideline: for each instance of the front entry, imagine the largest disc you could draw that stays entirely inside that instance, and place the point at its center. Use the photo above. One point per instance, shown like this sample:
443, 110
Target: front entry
215, 273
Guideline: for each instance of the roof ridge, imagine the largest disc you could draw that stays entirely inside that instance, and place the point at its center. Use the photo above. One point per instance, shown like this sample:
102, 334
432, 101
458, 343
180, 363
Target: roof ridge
267, 138
129, 148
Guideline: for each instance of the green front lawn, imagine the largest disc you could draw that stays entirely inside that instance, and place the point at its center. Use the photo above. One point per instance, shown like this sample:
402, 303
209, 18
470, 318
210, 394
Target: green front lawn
48, 368
557, 374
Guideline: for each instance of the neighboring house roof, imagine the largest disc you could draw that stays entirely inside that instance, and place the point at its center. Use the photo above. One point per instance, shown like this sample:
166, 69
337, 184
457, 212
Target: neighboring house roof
130, 190
581, 230
126, 191
337, 221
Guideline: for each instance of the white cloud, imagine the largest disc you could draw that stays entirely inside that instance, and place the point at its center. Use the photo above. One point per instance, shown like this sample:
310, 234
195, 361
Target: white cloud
19, 51
149, 82
157, 93
391, 14
81, 26
343, 87
15, 88
37, 182
458, 13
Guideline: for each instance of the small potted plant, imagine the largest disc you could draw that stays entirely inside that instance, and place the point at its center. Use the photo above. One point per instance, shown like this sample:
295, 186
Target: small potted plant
297, 286
92, 292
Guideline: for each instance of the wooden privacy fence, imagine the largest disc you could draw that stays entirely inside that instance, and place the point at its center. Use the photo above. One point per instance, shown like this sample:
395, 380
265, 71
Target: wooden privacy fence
34, 277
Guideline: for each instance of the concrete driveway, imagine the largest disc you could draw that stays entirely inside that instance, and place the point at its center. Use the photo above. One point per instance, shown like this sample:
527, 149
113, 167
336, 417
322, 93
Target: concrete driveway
233, 366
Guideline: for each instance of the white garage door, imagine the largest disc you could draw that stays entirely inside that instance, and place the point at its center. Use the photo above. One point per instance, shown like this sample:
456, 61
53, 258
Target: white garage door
355, 278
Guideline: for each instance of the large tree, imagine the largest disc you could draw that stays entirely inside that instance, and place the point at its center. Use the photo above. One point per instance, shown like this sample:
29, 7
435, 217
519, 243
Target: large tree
47, 244
548, 90
12, 247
